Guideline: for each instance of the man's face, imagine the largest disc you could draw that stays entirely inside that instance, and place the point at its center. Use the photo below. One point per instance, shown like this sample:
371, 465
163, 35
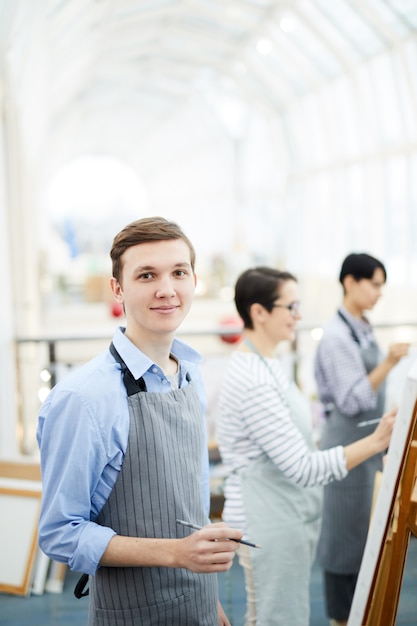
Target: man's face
156, 288
366, 292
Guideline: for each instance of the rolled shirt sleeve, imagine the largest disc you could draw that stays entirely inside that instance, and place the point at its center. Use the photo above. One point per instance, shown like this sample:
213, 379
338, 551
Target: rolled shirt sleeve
73, 457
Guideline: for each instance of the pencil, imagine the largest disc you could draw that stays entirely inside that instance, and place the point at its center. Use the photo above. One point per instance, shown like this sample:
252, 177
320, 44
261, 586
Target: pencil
247, 543
369, 422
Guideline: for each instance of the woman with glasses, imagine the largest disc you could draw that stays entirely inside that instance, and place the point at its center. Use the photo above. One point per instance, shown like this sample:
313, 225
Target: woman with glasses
351, 372
274, 470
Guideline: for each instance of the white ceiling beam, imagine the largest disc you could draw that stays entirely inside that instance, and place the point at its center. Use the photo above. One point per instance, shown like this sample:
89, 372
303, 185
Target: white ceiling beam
364, 10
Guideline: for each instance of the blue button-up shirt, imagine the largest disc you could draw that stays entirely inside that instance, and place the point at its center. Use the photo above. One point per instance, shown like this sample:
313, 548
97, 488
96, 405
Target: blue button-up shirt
82, 434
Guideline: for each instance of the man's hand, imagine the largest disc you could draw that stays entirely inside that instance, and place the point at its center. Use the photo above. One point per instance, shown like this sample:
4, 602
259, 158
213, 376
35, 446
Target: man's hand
397, 351
208, 550
204, 551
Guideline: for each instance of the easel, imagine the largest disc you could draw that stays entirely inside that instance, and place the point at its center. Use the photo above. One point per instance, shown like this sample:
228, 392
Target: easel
382, 604
45, 575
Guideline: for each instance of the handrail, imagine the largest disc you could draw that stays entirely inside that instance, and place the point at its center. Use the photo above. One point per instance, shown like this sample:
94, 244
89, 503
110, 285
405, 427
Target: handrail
28, 362
215, 330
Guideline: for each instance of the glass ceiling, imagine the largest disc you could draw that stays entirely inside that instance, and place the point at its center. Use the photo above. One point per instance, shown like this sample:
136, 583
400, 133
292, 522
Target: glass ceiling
135, 59
304, 41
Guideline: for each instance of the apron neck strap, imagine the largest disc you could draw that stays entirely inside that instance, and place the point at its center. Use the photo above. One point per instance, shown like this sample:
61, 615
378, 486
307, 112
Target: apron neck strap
349, 325
132, 385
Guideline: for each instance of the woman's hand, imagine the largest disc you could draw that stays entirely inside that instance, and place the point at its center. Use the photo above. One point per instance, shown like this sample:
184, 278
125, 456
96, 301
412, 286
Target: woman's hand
383, 431
363, 449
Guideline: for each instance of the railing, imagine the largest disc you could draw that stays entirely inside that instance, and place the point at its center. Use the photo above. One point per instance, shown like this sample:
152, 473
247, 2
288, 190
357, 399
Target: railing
43, 360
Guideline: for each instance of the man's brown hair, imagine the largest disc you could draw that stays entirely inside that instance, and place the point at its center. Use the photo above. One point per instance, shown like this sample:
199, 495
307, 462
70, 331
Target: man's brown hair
144, 231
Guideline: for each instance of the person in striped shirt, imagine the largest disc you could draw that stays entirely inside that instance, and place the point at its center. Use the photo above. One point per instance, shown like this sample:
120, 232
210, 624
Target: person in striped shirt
275, 473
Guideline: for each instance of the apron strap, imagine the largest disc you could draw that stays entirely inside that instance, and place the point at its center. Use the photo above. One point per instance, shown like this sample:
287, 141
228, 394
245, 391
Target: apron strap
132, 385
349, 325
80, 590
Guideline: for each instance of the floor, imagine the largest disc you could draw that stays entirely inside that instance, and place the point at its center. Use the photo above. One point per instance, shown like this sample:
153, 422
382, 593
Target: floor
64, 609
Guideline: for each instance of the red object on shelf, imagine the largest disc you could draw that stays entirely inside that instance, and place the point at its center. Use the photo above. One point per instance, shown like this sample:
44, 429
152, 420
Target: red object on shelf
231, 322
116, 309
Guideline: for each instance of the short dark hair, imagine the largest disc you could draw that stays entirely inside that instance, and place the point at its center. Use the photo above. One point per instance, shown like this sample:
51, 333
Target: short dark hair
143, 231
360, 265
260, 285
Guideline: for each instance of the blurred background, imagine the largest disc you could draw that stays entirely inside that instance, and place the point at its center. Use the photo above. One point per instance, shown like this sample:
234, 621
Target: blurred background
274, 132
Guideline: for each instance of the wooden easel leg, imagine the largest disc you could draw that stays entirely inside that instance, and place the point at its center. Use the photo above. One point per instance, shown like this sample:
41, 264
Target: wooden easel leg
384, 602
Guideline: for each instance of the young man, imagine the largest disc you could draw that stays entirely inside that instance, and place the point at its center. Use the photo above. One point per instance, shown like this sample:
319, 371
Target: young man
124, 455
351, 372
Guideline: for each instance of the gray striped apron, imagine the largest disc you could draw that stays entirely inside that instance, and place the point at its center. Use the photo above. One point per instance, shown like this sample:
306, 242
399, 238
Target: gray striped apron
347, 503
160, 481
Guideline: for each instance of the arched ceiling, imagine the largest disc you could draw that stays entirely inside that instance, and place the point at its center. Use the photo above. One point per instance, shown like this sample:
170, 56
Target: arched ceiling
90, 74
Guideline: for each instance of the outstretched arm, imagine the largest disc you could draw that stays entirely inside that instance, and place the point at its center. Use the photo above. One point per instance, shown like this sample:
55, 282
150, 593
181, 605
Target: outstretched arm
396, 352
378, 441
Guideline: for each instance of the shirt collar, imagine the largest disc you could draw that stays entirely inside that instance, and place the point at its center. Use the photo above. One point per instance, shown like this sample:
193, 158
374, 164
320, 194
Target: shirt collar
358, 323
138, 363
361, 326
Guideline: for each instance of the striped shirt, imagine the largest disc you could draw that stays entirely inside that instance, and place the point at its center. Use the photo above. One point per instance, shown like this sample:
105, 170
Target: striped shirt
254, 419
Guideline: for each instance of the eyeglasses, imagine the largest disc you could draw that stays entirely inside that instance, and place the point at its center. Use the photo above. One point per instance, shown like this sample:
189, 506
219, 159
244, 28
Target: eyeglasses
294, 307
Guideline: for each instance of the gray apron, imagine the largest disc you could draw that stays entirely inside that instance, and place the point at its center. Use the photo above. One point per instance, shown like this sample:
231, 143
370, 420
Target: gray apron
284, 519
347, 503
160, 481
